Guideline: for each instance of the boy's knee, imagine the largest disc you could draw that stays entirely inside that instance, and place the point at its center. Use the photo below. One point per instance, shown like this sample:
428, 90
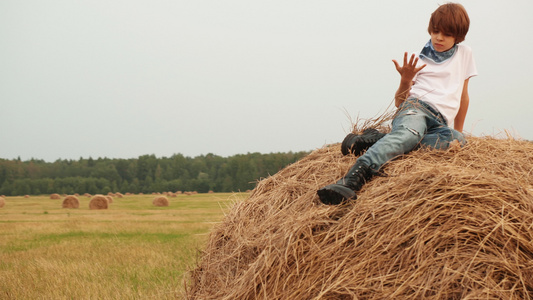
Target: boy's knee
409, 135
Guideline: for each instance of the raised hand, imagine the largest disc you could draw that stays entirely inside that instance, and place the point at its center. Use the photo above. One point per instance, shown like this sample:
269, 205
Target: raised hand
409, 69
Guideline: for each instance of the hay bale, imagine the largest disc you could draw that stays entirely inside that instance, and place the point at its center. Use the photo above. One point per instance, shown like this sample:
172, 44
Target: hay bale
2, 202
454, 224
160, 201
55, 196
71, 201
98, 202
109, 199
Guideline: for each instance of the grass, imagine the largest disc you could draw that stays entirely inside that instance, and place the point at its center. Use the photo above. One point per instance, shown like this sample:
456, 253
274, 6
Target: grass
133, 250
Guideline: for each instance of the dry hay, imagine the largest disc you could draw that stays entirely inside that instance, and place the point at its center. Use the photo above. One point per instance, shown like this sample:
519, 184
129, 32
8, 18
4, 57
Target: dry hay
99, 202
109, 199
439, 225
160, 201
71, 202
55, 196
2, 202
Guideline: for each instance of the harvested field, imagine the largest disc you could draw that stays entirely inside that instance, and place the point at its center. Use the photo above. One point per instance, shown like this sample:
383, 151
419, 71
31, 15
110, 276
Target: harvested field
71, 201
455, 224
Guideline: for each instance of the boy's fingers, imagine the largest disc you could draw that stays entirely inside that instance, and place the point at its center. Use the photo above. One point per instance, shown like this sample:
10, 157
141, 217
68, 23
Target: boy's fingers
396, 64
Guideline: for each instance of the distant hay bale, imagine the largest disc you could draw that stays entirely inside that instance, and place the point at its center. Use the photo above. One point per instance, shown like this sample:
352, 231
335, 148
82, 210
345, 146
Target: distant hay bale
119, 195
71, 202
98, 202
160, 201
455, 224
55, 196
2, 202
109, 199
210, 192
26, 196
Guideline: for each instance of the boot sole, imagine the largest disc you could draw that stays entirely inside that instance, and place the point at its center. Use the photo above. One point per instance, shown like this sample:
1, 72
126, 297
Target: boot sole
335, 194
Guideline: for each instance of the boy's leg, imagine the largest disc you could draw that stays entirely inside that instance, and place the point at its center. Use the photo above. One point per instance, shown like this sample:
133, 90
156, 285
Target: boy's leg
408, 128
440, 137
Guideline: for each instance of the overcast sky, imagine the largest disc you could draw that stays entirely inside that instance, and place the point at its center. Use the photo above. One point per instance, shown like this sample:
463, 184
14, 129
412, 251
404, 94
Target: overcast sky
120, 79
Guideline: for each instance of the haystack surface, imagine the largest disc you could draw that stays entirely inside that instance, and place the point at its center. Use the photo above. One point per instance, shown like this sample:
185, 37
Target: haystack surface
2, 202
160, 201
455, 224
98, 202
71, 201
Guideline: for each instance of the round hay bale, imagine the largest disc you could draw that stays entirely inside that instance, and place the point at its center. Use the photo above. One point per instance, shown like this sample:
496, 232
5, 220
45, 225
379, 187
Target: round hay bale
71, 201
109, 199
2, 202
453, 224
55, 196
98, 202
160, 201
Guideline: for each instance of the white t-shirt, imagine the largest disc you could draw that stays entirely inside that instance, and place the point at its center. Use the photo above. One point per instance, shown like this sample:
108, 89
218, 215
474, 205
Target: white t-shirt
441, 85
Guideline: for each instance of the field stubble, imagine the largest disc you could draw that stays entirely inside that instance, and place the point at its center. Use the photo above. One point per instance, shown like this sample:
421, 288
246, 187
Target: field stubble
132, 250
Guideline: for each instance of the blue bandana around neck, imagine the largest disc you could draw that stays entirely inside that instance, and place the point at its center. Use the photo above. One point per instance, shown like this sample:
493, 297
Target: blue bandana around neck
430, 53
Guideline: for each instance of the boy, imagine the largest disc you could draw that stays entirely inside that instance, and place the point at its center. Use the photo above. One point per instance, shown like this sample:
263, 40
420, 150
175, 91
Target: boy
430, 96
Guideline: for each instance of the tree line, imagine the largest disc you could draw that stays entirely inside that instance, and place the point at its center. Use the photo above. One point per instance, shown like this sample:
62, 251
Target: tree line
145, 174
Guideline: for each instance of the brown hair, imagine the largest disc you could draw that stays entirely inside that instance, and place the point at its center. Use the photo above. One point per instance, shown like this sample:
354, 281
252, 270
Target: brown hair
451, 19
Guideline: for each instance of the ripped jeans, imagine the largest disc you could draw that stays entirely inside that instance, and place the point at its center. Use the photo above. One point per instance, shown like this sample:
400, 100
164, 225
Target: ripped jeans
416, 124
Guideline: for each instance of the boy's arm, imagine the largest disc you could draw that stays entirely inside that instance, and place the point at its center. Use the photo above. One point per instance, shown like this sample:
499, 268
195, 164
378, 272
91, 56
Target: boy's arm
407, 72
459, 121
402, 92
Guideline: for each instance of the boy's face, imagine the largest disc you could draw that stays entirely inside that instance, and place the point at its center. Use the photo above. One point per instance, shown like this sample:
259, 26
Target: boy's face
441, 41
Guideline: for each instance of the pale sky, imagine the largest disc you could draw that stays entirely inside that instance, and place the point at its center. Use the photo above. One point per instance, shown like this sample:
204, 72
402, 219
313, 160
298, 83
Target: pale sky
120, 79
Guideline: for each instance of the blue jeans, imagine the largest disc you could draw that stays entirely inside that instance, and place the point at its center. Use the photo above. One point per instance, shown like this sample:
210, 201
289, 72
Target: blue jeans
416, 124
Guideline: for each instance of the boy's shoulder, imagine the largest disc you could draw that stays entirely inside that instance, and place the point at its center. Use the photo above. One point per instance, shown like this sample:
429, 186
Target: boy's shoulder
464, 48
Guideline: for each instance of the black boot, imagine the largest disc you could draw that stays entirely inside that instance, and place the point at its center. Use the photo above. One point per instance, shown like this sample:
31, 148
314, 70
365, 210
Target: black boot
346, 187
357, 143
